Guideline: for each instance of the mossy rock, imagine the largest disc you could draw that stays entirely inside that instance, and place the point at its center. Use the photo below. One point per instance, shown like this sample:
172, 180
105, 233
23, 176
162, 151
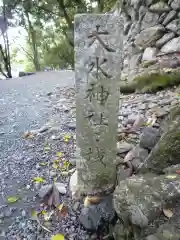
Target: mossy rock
152, 83
167, 150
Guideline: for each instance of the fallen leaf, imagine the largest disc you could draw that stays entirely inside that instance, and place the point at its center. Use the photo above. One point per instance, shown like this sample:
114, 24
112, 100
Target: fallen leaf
58, 237
60, 207
47, 216
28, 135
39, 180
67, 138
44, 212
151, 121
34, 216
92, 200
13, 199
47, 149
59, 154
168, 213
55, 165
62, 210
43, 164
66, 164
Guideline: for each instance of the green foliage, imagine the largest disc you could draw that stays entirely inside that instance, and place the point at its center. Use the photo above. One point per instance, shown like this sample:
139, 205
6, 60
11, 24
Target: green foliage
152, 83
50, 28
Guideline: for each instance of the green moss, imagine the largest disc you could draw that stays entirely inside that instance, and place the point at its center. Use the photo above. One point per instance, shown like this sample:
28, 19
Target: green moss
169, 148
148, 63
127, 88
166, 152
152, 83
175, 113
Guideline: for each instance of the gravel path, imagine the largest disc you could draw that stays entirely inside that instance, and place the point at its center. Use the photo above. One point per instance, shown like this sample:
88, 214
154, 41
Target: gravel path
25, 104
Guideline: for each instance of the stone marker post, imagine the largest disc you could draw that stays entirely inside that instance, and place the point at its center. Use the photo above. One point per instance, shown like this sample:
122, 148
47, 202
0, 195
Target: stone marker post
98, 61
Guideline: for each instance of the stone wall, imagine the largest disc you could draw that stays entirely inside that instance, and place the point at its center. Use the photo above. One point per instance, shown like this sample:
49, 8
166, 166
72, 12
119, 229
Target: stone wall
151, 36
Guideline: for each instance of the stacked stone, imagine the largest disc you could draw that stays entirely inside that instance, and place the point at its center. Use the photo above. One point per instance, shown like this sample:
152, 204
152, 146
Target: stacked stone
151, 36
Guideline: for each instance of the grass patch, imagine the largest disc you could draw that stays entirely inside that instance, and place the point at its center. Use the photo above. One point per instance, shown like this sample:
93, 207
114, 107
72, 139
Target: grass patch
152, 83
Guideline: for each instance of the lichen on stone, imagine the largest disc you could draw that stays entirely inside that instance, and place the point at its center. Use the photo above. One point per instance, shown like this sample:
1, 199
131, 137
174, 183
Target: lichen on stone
152, 82
166, 152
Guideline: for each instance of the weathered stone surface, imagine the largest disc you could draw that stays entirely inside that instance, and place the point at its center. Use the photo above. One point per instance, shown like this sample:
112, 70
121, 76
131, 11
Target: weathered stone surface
145, 17
149, 36
93, 216
137, 156
171, 46
119, 231
160, 112
150, 19
134, 61
166, 151
174, 26
139, 122
159, 7
122, 174
149, 137
175, 5
165, 232
98, 60
142, 12
149, 54
134, 30
170, 16
166, 38
146, 195
123, 147
151, 237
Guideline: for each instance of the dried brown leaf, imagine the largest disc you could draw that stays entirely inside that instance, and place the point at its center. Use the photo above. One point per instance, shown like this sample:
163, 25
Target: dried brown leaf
92, 200
168, 213
62, 210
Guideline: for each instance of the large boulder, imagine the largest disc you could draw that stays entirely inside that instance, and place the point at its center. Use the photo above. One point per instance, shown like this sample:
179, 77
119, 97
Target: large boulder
139, 199
167, 150
165, 232
149, 137
149, 36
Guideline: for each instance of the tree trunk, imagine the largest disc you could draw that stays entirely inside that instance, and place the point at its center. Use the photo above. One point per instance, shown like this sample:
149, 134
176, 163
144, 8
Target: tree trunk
62, 8
32, 37
6, 52
100, 5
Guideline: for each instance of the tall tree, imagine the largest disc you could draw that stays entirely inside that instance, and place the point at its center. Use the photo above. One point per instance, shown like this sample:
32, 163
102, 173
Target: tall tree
5, 64
35, 16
